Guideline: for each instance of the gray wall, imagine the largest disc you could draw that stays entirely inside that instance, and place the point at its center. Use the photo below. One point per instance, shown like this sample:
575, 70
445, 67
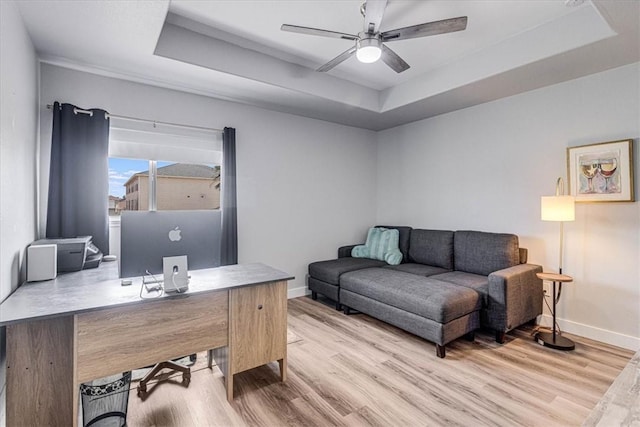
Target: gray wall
486, 167
18, 163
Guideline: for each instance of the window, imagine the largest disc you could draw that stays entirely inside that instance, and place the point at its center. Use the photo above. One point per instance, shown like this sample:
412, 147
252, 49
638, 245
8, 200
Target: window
179, 186
121, 174
162, 167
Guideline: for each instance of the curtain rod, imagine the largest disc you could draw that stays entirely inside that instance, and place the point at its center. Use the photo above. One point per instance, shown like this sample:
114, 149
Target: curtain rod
135, 119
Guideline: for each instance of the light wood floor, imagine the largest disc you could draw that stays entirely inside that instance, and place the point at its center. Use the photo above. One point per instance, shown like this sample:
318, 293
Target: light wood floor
357, 371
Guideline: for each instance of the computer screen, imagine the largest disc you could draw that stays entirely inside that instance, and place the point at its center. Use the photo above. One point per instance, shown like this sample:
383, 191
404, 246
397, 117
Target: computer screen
147, 237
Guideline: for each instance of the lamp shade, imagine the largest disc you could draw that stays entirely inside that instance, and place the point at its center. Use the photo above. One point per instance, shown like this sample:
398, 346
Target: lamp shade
557, 208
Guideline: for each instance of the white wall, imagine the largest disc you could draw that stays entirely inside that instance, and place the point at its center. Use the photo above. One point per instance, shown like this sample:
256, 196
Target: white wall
18, 124
304, 186
485, 168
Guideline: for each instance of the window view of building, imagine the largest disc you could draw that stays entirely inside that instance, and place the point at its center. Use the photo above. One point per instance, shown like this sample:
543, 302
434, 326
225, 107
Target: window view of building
116, 205
179, 186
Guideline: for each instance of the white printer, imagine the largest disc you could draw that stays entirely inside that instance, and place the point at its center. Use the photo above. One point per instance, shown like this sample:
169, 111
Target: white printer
74, 254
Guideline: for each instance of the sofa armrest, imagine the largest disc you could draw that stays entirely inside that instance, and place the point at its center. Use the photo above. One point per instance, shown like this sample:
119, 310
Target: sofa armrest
515, 296
345, 251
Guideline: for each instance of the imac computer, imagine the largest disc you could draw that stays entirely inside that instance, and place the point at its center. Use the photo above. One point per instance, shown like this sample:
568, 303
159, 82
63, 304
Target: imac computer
148, 237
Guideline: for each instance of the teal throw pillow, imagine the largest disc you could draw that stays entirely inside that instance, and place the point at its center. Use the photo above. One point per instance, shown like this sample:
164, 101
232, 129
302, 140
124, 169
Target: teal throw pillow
382, 244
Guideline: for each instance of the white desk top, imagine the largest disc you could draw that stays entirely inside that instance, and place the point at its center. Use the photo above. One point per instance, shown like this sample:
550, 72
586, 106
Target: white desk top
98, 288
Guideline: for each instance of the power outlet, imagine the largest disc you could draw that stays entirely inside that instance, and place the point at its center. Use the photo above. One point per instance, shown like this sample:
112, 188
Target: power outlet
546, 288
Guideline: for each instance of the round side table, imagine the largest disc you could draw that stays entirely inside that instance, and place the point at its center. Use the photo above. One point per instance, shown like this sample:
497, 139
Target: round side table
554, 339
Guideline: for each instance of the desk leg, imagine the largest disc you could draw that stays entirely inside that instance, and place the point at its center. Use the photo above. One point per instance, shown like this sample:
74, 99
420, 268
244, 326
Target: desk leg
229, 384
283, 369
40, 373
223, 360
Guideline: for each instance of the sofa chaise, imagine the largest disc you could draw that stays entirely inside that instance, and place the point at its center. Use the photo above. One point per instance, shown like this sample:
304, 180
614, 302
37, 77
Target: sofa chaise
448, 284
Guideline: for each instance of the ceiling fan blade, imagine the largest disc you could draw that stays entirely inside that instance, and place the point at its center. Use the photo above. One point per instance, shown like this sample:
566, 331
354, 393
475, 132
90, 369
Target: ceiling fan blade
373, 13
392, 59
317, 32
426, 29
337, 60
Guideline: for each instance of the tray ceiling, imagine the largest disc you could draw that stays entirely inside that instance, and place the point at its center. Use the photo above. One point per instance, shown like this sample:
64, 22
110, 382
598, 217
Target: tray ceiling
235, 50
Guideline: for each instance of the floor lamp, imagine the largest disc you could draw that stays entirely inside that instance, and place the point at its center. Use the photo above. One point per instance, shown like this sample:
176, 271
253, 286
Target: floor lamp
559, 208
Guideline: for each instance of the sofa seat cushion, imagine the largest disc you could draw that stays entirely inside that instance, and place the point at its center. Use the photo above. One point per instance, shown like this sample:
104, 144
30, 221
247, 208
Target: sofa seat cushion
330, 271
476, 282
419, 269
439, 301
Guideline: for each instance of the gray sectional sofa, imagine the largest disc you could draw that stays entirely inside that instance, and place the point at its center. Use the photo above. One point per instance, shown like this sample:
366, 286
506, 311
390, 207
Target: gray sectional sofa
448, 285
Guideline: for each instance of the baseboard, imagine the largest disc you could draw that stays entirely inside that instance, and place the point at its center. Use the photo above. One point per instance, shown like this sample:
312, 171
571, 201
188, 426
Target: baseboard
594, 333
298, 292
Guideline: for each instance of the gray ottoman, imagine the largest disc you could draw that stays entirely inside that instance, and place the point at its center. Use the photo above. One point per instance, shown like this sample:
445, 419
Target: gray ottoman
324, 276
437, 311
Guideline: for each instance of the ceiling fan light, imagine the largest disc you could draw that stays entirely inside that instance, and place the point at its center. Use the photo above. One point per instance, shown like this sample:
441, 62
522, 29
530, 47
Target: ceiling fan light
368, 50
368, 54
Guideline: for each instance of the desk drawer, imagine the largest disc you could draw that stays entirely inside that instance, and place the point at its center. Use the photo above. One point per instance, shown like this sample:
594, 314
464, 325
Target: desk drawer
258, 325
120, 339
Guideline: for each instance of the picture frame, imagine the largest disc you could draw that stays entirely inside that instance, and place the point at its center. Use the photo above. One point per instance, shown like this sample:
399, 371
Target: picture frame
601, 172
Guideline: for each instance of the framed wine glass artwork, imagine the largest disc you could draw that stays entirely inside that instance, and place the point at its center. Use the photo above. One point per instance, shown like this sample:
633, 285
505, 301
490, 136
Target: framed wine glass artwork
601, 172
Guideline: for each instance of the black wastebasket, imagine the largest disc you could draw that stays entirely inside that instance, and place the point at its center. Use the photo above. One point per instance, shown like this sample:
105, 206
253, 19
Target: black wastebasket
105, 401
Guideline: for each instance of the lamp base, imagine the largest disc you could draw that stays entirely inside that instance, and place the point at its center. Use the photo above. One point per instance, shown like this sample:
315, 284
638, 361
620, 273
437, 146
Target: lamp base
559, 343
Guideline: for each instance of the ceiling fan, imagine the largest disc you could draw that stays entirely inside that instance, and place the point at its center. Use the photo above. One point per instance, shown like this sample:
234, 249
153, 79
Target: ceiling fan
369, 46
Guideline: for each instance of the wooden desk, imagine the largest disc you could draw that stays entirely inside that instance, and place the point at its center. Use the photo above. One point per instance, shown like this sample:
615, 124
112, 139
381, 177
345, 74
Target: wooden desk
85, 325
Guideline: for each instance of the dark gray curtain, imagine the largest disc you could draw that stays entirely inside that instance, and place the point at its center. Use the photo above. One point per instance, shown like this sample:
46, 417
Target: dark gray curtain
229, 240
78, 178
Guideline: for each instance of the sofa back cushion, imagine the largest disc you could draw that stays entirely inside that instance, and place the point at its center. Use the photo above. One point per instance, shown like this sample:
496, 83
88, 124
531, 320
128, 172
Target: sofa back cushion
483, 253
403, 239
382, 244
432, 247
